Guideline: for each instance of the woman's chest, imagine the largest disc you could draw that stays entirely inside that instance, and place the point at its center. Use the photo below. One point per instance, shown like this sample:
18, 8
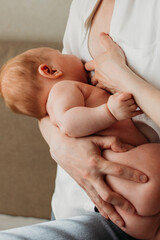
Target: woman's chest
100, 23
137, 34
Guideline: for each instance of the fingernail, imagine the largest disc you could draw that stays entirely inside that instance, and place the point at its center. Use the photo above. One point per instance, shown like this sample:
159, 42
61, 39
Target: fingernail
119, 223
143, 178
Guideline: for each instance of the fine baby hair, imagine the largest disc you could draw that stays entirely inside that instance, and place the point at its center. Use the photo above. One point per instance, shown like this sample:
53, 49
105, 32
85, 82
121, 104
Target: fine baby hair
19, 85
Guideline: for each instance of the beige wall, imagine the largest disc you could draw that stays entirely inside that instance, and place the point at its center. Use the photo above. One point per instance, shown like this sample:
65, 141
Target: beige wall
26, 170
33, 20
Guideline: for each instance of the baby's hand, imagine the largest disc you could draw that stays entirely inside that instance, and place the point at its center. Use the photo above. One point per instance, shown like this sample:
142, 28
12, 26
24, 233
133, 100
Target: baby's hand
122, 106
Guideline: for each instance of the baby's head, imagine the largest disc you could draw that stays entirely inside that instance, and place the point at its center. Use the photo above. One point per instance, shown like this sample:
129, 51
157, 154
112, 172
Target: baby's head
25, 80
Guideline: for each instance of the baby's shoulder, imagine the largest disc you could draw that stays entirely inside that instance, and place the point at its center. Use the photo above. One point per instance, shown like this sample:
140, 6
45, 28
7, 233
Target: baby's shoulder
62, 86
70, 85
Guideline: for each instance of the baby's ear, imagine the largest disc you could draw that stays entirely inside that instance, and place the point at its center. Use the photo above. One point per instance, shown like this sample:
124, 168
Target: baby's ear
48, 72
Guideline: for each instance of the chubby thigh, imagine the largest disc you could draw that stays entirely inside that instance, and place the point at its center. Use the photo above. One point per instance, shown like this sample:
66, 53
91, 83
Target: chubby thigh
144, 196
141, 227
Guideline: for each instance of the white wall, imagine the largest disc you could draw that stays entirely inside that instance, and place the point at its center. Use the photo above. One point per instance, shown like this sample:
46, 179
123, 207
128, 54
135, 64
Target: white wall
33, 20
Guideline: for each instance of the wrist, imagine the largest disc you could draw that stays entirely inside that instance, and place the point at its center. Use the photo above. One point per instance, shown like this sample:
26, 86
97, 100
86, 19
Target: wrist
130, 81
121, 75
105, 116
110, 114
113, 115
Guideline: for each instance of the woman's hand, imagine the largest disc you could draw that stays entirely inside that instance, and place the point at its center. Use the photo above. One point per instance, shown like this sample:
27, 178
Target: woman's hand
107, 65
113, 74
81, 158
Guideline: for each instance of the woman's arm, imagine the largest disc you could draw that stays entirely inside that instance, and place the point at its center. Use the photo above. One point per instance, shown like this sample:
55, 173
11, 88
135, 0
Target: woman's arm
112, 73
146, 96
81, 158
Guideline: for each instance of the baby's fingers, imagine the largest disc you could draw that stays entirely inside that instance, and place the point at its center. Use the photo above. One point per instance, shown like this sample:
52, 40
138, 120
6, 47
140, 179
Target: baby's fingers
90, 66
133, 107
137, 112
123, 96
94, 80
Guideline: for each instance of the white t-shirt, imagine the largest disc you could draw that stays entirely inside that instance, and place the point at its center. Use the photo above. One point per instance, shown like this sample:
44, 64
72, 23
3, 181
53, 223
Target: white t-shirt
135, 26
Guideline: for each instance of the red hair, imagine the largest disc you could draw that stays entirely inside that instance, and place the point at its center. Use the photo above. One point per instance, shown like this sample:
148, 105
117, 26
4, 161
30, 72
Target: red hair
20, 87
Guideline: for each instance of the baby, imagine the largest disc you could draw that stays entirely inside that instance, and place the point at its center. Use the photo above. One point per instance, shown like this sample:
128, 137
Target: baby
43, 81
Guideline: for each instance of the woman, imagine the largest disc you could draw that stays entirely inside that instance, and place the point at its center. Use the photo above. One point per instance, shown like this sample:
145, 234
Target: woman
76, 42
87, 19
96, 16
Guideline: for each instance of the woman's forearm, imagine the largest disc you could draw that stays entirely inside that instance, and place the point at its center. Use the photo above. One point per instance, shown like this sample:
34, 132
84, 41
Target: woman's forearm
52, 136
146, 96
112, 73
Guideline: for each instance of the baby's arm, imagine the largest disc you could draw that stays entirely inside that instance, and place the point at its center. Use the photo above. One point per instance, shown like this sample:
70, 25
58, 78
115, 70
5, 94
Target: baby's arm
66, 108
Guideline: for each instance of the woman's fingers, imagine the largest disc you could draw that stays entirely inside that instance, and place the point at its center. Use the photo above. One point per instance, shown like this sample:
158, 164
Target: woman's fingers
122, 171
111, 197
97, 200
89, 66
110, 142
111, 168
107, 43
106, 209
94, 80
111, 213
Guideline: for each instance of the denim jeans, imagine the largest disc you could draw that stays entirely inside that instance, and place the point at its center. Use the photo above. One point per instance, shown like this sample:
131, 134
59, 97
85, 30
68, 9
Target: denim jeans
91, 226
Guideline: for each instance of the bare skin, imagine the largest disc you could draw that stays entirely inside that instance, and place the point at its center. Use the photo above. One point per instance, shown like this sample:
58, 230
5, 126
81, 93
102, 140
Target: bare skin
77, 157
81, 115
113, 57
147, 208
74, 103
61, 81
145, 223
106, 194
100, 23
147, 205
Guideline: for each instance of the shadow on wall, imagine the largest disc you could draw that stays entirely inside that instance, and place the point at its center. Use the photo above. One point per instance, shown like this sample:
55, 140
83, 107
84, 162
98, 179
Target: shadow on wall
41, 21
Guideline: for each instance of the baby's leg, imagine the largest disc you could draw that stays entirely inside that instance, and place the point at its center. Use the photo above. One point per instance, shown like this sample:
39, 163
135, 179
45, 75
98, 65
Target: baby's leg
146, 158
145, 197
